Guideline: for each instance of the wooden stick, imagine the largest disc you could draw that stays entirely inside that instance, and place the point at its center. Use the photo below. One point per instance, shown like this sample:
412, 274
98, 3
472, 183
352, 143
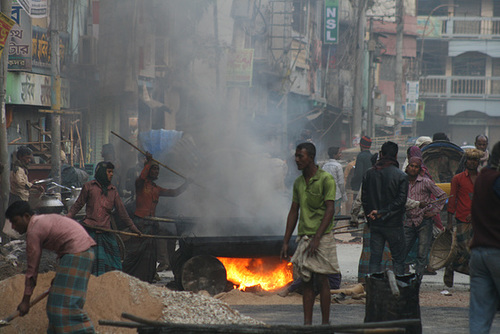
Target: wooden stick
177, 173
348, 231
158, 162
439, 200
344, 226
132, 234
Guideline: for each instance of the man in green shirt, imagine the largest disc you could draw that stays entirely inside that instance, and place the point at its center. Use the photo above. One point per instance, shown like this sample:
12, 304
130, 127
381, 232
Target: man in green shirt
316, 254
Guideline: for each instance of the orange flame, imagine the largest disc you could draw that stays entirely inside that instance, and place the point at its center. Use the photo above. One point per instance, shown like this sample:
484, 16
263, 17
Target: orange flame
270, 272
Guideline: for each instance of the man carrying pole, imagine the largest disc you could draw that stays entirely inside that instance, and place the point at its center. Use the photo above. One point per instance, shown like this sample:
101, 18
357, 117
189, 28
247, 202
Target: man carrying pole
142, 254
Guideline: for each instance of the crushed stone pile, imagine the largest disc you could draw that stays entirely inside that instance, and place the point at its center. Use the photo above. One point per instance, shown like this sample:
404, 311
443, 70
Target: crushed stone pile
112, 294
13, 259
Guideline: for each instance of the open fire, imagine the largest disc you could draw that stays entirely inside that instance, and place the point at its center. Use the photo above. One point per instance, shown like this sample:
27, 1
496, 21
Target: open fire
270, 273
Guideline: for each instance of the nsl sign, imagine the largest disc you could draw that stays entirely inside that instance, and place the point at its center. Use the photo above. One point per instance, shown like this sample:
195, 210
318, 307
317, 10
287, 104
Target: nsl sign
331, 21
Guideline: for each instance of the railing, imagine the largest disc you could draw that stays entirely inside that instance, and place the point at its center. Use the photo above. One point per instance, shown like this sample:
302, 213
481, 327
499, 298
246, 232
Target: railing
441, 86
457, 26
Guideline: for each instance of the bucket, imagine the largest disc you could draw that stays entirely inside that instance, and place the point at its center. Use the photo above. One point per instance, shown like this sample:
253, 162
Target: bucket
393, 299
442, 250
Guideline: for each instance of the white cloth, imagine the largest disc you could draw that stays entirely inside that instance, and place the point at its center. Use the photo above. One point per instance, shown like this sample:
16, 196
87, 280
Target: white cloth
324, 261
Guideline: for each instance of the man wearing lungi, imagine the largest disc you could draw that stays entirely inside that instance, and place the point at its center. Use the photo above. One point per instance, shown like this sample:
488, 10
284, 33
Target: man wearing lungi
73, 246
100, 197
142, 254
316, 254
459, 206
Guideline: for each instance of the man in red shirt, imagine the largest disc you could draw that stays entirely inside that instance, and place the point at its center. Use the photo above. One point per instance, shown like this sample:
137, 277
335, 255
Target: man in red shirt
142, 254
459, 205
73, 246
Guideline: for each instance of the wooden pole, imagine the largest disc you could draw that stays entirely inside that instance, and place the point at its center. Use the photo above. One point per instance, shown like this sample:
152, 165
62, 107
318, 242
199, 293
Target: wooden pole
177, 173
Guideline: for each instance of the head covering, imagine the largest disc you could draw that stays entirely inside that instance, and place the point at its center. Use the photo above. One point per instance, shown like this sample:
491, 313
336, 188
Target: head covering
473, 153
101, 175
365, 142
416, 160
422, 141
415, 152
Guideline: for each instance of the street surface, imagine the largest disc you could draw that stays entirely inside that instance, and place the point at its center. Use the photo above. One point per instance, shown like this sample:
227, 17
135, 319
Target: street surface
443, 320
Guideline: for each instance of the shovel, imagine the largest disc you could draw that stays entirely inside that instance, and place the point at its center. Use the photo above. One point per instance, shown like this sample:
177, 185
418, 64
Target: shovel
6, 321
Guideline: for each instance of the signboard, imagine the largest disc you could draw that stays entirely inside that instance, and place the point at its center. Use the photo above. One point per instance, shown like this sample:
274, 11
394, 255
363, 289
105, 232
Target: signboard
421, 111
34, 89
20, 41
412, 91
41, 47
240, 68
35, 8
6, 24
331, 21
411, 111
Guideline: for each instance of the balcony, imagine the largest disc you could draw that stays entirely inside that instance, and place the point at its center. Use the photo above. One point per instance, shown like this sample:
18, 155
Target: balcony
459, 27
447, 87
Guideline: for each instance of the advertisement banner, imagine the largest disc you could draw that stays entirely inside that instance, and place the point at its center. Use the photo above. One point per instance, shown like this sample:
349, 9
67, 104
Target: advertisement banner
6, 24
240, 68
34, 8
331, 21
20, 40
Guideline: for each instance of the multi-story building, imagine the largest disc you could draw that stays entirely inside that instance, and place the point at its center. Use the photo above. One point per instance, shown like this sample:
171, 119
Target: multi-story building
459, 49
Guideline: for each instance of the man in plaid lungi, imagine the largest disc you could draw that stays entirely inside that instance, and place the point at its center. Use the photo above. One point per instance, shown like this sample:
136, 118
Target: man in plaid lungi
73, 246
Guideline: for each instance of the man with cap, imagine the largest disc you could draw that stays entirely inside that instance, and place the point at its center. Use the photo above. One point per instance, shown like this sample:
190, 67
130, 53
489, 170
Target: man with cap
481, 144
363, 162
459, 206
418, 222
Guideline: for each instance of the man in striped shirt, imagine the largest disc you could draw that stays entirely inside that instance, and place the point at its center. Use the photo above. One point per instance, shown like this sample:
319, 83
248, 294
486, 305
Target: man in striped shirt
418, 222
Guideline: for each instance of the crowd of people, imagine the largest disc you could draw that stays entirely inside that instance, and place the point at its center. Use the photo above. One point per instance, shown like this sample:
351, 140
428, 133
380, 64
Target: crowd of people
402, 209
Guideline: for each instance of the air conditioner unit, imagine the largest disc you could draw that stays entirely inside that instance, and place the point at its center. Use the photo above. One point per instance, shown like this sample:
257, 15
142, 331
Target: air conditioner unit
87, 51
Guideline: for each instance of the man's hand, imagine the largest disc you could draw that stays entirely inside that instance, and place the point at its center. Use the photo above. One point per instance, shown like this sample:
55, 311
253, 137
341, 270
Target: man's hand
149, 157
373, 215
24, 307
312, 248
284, 252
422, 204
134, 229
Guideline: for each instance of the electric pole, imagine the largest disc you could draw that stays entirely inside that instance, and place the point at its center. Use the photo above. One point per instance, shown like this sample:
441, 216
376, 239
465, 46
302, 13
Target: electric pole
398, 100
55, 129
4, 153
359, 69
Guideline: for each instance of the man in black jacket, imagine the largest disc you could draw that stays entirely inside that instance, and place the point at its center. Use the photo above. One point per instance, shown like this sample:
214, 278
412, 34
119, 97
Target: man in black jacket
384, 194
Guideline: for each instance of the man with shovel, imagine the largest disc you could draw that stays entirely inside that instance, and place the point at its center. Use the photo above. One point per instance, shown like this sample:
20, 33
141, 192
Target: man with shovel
73, 246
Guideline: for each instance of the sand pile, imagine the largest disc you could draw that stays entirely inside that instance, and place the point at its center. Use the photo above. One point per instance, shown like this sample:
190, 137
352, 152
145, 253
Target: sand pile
112, 294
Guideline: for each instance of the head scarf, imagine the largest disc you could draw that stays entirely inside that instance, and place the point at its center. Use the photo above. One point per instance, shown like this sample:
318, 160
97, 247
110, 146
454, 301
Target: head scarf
415, 152
423, 140
102, 177
415, 160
